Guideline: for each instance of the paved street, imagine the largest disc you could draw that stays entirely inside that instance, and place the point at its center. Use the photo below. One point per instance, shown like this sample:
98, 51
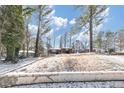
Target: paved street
107, 84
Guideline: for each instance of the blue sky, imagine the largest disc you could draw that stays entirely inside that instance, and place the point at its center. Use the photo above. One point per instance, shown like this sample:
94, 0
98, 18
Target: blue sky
115, 17
65, 11
64, 15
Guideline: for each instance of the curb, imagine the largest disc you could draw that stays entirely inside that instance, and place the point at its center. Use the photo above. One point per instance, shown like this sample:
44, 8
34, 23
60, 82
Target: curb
12, 79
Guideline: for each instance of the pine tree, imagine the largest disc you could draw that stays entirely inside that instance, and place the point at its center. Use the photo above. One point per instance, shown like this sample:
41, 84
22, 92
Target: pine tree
91, 15
13, 35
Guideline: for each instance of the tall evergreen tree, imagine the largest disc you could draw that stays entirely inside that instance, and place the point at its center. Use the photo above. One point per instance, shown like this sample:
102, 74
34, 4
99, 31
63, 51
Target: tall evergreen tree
13, 34
91, 15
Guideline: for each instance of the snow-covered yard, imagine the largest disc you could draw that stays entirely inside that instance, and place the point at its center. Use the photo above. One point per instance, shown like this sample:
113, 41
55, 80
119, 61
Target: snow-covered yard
76, 62
69, 63
66, 62
7, 67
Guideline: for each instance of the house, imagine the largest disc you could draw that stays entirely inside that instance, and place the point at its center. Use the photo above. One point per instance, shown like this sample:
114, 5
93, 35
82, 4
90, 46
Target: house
60, 50
30, 53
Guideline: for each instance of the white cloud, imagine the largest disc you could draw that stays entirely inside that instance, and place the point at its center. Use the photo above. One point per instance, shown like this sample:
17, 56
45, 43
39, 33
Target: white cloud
72, 22
60, 22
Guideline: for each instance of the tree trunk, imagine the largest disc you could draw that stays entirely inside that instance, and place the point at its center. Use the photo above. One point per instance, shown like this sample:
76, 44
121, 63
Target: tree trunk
61, 42
91, 31
27, 34
70, 42
16, 52
23, 54
120, 45
27, 49
16, 55
114, 44
38, 34
65, 36
48, 46
54, 41
10, 54
37, 43
0, 40
0, 46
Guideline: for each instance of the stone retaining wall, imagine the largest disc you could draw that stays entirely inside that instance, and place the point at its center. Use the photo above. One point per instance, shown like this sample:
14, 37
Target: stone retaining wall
30, 78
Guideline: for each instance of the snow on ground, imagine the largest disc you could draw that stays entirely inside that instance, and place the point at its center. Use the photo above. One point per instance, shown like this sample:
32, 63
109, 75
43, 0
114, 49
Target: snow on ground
5, 67
67, 62
106, 84
114, 58
70, 62
76, 62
